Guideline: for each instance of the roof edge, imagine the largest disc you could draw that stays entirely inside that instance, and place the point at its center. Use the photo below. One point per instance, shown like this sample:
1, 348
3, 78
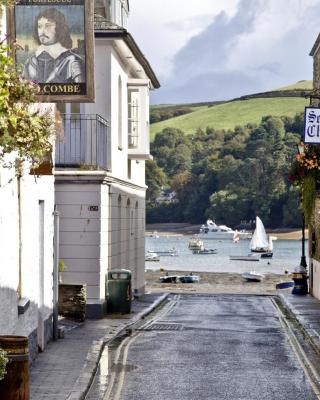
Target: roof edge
315, 46
126, 36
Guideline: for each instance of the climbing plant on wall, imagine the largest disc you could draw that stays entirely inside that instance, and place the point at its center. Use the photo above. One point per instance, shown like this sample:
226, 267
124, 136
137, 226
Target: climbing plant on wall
24, 129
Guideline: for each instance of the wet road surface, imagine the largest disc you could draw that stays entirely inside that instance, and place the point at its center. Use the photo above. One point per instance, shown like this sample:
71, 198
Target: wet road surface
224, 347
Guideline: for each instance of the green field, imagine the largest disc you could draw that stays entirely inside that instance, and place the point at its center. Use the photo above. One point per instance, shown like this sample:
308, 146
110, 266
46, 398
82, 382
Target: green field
302, 85
229, 115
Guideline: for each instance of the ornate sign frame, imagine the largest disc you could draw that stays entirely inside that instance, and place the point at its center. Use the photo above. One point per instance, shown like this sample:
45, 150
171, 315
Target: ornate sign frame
54, 47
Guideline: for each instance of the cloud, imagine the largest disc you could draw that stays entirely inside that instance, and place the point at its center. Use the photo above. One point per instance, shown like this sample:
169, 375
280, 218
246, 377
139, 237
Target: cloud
162, 27
264, 45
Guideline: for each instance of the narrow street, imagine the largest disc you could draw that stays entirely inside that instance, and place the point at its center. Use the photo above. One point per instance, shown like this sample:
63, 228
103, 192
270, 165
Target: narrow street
205, 347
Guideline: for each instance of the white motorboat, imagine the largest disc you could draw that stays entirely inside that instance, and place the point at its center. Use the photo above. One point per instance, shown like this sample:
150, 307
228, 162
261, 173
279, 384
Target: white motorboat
260, 242
211, 230
252, 276
195, 244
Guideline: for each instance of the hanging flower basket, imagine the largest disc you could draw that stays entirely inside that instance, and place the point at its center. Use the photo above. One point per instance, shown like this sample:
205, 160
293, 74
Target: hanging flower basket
305, 172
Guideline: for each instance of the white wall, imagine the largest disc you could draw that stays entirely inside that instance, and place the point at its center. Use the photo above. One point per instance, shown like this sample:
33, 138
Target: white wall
316, 279
36, 279
93, 242
127, 233
83, 238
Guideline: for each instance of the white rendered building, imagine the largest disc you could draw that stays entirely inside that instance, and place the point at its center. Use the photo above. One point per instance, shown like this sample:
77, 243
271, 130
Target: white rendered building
100, 163
26, 249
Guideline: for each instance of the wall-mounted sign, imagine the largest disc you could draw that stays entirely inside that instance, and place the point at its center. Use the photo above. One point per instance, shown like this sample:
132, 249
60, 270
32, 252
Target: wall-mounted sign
54, 47
93, 208
311, 125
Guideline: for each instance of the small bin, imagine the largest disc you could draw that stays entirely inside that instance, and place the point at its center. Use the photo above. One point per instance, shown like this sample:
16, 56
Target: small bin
118, 291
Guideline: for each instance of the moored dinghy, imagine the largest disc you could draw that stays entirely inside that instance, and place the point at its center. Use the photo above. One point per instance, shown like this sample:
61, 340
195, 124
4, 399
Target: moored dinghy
252, 276
249, 257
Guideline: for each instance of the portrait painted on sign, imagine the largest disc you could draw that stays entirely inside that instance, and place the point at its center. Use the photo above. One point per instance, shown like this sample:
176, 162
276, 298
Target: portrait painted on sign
52, 46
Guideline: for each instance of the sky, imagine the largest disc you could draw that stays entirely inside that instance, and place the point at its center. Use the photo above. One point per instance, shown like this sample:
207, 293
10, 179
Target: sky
206, 50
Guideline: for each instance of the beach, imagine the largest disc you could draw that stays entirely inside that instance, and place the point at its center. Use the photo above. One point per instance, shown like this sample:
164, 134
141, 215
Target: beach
213, 282
216, 282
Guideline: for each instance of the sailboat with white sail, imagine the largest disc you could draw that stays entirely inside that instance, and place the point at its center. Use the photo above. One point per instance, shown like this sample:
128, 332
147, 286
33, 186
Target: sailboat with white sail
260, 242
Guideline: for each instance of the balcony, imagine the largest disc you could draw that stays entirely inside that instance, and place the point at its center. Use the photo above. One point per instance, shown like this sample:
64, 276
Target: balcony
85, 143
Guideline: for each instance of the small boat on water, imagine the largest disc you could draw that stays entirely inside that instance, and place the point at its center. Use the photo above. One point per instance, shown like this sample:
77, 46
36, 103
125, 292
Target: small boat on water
171, 252
152, 257
252, 276
245, 258
195, 244
266, 255
260, 242
284, 285
205, 251
211, 230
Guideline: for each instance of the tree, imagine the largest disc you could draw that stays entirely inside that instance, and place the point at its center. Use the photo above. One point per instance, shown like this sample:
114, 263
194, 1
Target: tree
155, 180
24, 132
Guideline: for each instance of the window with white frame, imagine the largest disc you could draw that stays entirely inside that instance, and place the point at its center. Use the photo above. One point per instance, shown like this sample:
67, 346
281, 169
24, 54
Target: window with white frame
120, 113
133, 118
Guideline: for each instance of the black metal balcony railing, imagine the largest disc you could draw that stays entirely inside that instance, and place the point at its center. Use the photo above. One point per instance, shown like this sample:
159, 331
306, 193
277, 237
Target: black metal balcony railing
85, 143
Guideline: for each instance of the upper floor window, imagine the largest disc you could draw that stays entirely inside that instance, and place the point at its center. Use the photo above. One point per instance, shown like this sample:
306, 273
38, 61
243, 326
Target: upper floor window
133, 118
115, 11
120, 113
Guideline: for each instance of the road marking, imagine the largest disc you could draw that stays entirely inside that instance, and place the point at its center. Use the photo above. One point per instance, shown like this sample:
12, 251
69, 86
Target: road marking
123, 350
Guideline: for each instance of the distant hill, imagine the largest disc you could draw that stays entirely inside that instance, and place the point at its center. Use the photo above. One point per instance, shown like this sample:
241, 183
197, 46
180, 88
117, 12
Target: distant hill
287, 100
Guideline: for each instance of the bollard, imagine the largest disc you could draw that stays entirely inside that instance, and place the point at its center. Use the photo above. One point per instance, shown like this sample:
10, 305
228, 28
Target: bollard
300, 278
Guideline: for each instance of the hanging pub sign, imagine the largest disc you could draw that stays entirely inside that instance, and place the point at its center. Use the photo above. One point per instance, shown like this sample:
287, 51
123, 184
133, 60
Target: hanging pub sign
311, 125
54, 42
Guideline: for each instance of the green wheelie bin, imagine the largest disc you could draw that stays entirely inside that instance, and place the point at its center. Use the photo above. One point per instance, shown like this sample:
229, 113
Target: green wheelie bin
118, 291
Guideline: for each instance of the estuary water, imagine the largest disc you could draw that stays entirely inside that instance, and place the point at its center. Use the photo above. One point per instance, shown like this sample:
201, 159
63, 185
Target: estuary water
286, 255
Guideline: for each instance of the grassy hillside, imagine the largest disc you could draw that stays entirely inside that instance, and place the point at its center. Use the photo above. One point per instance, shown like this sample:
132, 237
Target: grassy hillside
229, 115
302, 85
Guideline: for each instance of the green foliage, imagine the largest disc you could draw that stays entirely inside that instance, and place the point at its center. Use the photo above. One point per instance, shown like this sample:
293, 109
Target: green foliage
309, 195
25, 132
156, 179
230, 175
164, 213
232, 114
162, 114
305, 173
61, 265
3, 363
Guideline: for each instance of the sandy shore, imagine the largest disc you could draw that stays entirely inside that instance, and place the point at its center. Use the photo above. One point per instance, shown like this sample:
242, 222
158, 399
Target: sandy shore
212, 282
182, 229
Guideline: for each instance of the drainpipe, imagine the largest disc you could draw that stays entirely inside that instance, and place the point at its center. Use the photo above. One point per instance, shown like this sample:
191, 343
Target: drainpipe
19, 289
56, 216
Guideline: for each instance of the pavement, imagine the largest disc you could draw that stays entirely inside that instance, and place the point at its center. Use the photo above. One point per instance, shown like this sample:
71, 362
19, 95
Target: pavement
306, 311
64, 371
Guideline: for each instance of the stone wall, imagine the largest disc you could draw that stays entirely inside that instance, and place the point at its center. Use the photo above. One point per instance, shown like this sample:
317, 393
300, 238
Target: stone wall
72, 301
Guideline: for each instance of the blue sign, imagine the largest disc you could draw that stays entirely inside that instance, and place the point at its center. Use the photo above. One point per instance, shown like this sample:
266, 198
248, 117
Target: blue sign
311, 125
